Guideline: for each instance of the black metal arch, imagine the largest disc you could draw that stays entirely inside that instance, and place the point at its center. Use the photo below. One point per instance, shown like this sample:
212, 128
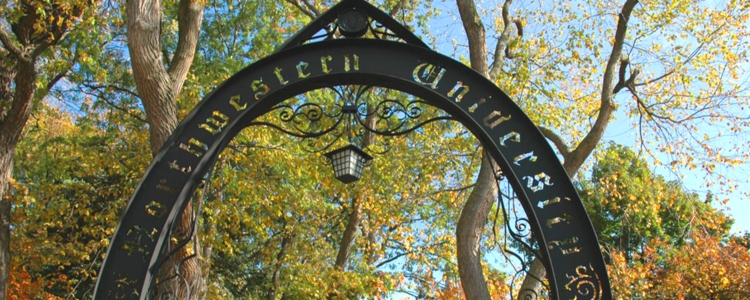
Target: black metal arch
567, 240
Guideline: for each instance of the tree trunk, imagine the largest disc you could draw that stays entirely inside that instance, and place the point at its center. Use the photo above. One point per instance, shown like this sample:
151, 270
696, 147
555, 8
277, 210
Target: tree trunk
469, 233
18, 75
276, 277
12, 122
350, 233
158, 87
475, 211
6, 167
532, 283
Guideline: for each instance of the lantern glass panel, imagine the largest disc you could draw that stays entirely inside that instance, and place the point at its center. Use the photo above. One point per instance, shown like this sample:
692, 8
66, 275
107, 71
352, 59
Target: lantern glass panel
348, 163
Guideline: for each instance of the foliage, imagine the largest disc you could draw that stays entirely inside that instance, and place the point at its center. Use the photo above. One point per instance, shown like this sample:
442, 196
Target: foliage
630, 206
71, 184
302, 213
662, 242
706, 267
271, 228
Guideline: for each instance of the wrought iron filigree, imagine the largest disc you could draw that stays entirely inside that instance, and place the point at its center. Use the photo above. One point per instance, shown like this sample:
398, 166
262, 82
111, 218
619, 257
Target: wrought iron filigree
379, 26
354, 119
516, 241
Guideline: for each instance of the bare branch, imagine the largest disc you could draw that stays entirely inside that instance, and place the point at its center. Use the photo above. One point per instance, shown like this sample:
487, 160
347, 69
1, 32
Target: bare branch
311, 7
56, 79
399, 6
40, 48
110, 102
111, 86
502, 49
687, 60
519, 26
622, 82
557, 140
304, 10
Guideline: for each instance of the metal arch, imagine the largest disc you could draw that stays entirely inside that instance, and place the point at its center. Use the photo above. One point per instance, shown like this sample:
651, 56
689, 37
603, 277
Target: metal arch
561, 227
328, 18
566, 237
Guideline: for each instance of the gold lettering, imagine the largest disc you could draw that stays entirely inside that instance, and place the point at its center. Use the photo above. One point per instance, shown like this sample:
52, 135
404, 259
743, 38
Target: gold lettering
194, 147
567, 243
215, 123
173, 165
277, 71
156, 209
557, 220
235, 102
585, 282
428, 74
544, 203
473, 108
256, 86
346, 62
459, 87
537, 182
162, 185
300, 72
135, 240
512, 136
324, 63
496, 122
530, 156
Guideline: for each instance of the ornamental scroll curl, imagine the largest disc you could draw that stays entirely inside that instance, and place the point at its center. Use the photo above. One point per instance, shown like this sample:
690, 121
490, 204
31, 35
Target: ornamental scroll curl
375, 29
585, 283
513, 236
355, 112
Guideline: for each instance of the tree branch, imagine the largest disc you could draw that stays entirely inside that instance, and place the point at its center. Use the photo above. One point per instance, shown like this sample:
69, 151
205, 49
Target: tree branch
469, 232
189, 18
587, 145
475, 34
41, 47
304, 10
532, 283
622, 82
557, 140
399, 6
311, 7
502, 49
8, 44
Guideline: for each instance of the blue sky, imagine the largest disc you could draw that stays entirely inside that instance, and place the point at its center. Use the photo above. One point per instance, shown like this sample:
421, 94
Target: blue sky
450, 37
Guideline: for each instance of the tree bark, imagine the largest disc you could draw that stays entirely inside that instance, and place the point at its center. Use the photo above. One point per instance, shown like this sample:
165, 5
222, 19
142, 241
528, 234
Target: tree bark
587, 145
7, 149
276, 277
15, 113
475, 211
475, 34
158, 87
350, 234
469, 233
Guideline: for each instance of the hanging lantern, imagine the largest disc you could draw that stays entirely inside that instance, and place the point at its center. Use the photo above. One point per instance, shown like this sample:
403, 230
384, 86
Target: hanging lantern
348, 163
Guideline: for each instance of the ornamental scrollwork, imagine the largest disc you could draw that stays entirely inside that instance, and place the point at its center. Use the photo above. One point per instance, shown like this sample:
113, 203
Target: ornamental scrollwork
352, 113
